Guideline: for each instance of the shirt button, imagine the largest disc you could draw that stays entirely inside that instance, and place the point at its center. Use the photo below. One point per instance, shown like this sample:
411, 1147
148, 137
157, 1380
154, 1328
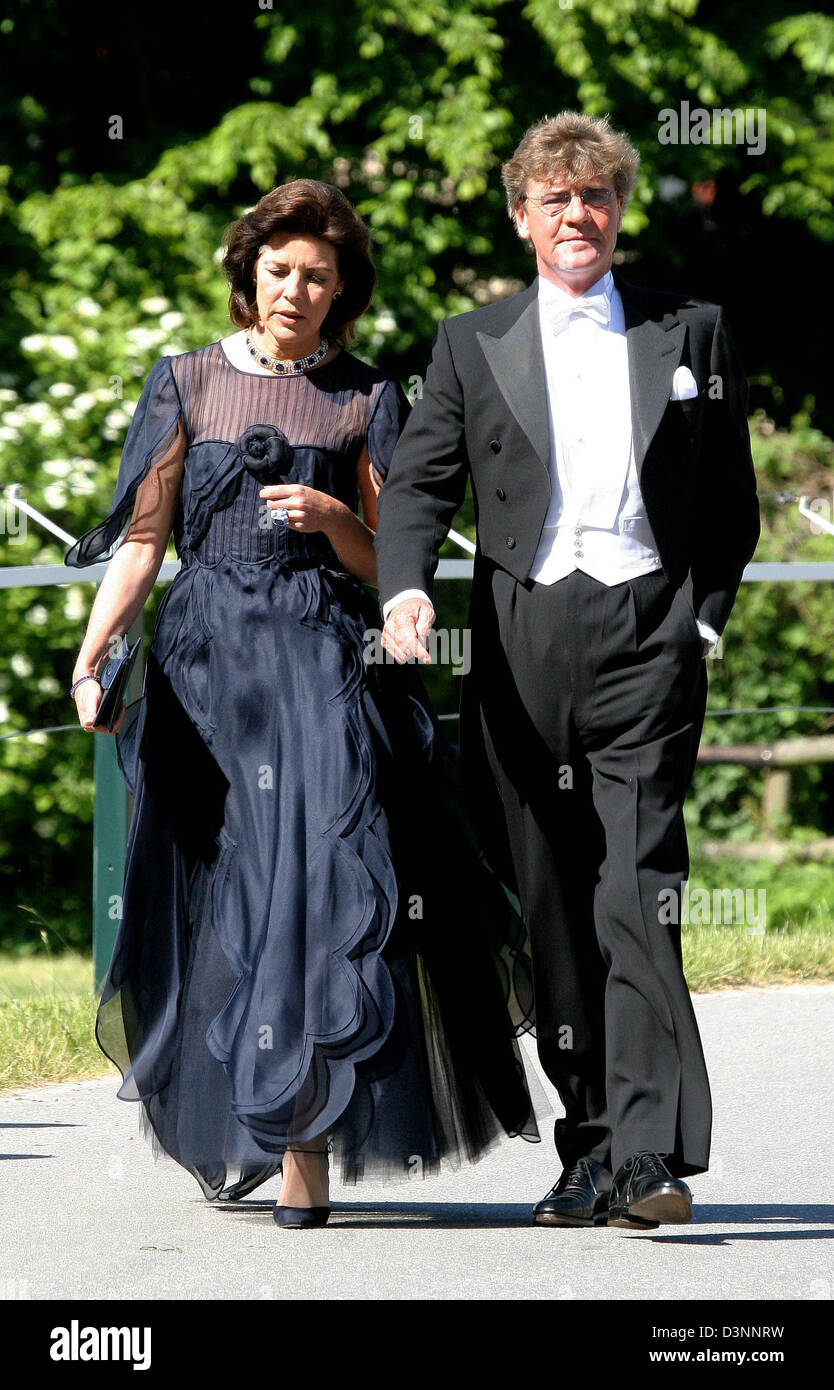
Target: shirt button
511, 542
578, 530
578, 554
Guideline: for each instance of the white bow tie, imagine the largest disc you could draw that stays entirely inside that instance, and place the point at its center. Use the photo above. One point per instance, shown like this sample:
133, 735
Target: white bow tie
595, 306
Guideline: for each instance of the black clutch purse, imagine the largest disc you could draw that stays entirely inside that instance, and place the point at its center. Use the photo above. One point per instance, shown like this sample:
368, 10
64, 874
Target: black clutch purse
114, 679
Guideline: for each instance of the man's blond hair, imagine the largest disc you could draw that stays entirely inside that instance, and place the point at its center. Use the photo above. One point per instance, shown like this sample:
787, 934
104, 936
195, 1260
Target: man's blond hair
574, 147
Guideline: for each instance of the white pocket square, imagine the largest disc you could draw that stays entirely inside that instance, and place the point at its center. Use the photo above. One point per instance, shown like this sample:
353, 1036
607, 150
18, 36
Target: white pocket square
684, 385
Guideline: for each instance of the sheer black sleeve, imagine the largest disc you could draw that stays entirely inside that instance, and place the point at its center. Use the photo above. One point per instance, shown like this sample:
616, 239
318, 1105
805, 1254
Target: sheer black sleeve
149, 437
385, 426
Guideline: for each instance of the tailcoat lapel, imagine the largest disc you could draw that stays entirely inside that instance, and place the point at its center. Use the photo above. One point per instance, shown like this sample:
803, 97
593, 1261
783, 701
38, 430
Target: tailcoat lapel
516, 361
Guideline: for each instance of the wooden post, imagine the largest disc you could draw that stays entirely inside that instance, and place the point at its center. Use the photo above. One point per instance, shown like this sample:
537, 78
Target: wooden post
776, 800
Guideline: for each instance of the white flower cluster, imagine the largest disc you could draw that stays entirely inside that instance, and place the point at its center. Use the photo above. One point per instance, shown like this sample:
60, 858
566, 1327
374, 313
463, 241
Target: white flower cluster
143, 338
87, 308
76, 603
169, 320
58, 343
157, 304
76, 477
383, 324
40, 414
86, 400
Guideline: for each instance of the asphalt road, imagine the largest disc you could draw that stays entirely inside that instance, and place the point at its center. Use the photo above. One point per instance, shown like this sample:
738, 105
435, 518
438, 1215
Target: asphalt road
86, 1212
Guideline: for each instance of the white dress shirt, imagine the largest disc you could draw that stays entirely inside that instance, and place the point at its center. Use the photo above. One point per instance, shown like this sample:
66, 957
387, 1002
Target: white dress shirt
596, 520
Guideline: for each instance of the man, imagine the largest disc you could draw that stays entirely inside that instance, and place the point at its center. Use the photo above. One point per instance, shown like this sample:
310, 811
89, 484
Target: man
604, 429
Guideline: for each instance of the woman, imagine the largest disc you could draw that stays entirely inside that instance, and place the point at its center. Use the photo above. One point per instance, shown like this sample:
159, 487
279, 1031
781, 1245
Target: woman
291, 968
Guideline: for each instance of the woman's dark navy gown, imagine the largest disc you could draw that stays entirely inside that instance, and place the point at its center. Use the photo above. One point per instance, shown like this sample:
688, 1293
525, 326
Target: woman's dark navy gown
310, 943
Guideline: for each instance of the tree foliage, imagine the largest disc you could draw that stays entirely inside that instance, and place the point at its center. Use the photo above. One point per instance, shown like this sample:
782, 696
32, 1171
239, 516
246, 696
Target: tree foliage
134, 135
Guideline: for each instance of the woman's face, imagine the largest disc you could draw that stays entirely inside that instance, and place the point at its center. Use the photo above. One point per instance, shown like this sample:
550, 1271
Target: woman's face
295, 280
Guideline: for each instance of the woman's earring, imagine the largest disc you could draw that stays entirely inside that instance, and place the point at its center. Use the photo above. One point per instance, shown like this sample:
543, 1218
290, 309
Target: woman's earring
337, 294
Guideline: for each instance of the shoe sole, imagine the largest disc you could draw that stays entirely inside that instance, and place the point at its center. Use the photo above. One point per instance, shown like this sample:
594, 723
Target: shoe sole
547, 1218
661, 1208
627, 1223
301, 1225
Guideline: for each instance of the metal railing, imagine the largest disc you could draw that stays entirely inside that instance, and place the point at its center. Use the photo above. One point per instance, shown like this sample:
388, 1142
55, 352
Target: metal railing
112, 802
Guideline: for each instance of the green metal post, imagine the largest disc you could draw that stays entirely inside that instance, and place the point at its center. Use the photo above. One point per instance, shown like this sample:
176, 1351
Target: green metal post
111, 820
111, 817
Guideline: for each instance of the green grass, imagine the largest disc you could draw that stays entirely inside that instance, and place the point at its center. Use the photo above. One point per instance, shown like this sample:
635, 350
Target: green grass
797, 901
727, 957
47, 1004
47, 1015
31, 977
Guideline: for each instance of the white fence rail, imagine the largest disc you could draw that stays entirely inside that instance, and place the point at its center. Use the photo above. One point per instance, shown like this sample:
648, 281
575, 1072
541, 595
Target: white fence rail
34, 576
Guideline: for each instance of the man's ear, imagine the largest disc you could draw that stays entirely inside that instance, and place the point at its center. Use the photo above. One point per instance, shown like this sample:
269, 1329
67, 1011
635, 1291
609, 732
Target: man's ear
520, 219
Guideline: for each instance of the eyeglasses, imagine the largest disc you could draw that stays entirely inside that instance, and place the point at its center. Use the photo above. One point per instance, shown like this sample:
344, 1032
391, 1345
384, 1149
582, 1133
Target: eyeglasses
554, 204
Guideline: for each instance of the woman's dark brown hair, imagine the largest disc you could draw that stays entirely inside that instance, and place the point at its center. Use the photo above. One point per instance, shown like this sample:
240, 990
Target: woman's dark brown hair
304, 207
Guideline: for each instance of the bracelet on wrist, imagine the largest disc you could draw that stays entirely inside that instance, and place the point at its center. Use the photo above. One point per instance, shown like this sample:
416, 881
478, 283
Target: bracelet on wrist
88, 677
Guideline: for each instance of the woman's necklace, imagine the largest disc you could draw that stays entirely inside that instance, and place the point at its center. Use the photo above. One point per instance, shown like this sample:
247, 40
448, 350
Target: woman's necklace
282, 368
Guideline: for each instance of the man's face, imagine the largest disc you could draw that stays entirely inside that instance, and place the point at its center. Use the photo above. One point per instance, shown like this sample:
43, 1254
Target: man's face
576, 245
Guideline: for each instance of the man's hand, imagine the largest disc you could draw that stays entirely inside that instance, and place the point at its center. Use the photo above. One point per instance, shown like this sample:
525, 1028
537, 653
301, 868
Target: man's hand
405, 627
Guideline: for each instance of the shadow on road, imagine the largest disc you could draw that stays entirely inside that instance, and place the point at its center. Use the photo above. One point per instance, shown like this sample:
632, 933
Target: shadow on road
487, 1215
419, 1215
800, 1220
39, 1124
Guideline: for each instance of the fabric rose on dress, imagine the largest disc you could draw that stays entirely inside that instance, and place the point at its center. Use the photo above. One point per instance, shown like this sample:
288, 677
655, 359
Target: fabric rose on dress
267, 453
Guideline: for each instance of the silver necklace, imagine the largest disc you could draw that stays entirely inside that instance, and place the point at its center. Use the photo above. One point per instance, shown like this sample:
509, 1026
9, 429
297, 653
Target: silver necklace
282, 368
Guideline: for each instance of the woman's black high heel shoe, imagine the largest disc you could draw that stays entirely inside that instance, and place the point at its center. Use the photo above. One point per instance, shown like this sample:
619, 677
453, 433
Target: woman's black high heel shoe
301, 1218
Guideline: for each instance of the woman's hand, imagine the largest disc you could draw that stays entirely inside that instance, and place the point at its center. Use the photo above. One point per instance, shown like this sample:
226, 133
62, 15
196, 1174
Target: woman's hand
310, 510
129, 578
87, 698
307, 509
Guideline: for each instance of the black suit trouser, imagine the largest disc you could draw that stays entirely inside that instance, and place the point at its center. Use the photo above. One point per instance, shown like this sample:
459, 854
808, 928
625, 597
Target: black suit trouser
592, 701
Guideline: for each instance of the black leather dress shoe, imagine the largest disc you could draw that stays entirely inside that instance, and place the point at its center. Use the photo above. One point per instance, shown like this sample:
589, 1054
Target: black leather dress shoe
644, 1194
580, 1197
